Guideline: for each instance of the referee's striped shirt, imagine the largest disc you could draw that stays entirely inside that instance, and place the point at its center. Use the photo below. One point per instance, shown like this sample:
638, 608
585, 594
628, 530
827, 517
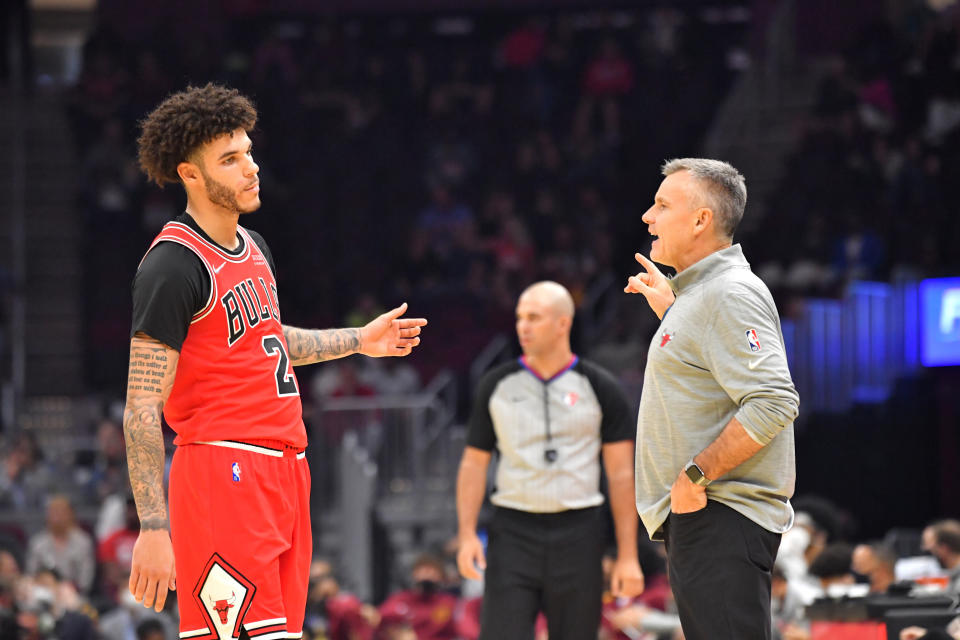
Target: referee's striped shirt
548, 433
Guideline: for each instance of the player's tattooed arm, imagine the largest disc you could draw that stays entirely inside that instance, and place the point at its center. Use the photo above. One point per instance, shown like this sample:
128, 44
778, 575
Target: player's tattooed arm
388, 334
316, 345
153, 366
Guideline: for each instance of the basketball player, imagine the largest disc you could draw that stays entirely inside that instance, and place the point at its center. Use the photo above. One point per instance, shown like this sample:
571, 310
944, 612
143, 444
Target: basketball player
209, 353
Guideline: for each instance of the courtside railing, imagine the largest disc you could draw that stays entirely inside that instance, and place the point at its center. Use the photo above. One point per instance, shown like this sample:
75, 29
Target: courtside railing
369, 456
406, 436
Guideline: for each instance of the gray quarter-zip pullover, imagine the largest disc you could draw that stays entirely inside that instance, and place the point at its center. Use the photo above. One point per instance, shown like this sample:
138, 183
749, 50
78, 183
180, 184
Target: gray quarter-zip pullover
718, 354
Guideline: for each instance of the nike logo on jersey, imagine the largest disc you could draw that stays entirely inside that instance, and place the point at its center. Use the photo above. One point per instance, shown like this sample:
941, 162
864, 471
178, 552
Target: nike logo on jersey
755, 362
217, 270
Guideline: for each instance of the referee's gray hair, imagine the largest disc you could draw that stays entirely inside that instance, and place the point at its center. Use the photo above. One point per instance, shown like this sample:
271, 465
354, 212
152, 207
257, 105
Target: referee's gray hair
725, 186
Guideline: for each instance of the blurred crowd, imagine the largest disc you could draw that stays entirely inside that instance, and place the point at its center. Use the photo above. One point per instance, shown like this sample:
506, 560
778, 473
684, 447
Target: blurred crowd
68, 580
448, 162
866, 196
451, 161
820, 560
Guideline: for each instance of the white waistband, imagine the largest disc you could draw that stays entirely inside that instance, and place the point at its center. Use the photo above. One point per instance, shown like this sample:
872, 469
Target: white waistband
255, 448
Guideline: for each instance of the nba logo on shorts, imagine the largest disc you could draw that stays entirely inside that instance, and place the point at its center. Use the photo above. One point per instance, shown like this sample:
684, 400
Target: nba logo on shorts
235, 468
753, 340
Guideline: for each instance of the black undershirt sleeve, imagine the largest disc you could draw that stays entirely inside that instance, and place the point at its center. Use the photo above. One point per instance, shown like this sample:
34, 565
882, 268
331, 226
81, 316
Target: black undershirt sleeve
170, 286
480, 432
619, 421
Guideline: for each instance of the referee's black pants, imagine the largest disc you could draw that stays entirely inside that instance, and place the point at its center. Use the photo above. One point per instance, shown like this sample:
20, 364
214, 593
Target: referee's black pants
720, 564
546, 562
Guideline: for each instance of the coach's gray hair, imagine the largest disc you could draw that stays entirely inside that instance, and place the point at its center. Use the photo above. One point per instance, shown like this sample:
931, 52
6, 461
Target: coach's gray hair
725, 186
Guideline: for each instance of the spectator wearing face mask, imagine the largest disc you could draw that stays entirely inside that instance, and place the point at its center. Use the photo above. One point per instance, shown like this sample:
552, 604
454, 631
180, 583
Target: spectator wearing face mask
50, 608
337, 615
425, 608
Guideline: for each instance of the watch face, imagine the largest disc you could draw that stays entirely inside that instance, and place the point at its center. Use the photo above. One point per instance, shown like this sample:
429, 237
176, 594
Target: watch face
696, 475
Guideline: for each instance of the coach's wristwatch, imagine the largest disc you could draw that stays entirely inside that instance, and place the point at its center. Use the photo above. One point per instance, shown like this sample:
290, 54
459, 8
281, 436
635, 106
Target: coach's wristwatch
696, 475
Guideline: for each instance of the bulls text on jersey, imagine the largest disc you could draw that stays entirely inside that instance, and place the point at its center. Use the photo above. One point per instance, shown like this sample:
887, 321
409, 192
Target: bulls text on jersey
246, 307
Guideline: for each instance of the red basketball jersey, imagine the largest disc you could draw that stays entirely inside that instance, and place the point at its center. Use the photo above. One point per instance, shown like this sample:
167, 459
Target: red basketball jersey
234, 378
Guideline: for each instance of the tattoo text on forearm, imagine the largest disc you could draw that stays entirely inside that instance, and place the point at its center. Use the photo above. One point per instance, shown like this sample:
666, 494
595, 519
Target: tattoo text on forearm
308, 346
147, 385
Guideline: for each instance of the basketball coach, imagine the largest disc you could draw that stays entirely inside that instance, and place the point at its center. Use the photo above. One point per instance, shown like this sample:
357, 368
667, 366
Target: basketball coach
715, 463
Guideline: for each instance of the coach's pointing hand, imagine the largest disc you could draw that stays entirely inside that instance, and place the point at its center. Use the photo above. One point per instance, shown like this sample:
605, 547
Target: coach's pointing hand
653, 285
390, 335
152, 571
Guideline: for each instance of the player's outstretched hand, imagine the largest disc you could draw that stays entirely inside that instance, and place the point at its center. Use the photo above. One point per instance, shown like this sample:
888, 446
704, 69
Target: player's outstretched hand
470, 558
391, 335
152, 571
653, 285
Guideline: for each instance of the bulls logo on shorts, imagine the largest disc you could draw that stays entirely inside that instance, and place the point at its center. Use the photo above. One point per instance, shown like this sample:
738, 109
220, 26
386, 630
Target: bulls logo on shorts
224, 596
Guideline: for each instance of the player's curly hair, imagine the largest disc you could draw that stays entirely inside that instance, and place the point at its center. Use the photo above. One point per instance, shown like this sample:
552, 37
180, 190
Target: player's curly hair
184, 122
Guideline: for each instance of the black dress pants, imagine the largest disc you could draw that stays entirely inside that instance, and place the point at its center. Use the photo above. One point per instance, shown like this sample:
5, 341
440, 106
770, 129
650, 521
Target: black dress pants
543, 562
720, 564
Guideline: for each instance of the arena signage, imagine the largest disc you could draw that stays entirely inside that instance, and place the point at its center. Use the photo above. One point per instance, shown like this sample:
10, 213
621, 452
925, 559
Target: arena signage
940, 322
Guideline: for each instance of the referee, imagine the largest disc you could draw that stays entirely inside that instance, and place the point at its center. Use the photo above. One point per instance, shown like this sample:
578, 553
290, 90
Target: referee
551, 416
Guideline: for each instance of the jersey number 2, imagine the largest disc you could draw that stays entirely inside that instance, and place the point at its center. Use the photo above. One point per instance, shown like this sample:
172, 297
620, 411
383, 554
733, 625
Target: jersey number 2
286, 382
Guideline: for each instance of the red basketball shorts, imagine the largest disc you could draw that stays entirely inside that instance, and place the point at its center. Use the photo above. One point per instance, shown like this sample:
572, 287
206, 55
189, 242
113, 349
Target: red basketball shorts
240, 524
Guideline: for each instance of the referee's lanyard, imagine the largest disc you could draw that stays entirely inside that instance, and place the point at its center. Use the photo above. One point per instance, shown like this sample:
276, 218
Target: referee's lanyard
550, 453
